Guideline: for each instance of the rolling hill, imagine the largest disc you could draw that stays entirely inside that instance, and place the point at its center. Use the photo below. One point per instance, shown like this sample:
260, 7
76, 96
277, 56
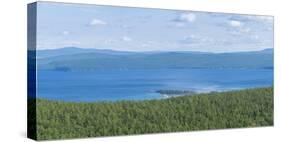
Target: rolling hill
73, 58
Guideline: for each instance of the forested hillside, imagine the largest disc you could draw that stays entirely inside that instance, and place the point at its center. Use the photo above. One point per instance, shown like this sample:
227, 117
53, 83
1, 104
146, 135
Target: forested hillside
234, 109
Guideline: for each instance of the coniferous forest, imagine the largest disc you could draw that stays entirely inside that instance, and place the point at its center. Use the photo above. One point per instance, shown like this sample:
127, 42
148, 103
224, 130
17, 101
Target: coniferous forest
233, 109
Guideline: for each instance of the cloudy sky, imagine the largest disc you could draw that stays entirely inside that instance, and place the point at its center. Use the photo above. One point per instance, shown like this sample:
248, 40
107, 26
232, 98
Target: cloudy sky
137, 29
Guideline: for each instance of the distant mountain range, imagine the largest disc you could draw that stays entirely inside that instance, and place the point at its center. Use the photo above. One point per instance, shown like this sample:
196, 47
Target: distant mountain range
73, 58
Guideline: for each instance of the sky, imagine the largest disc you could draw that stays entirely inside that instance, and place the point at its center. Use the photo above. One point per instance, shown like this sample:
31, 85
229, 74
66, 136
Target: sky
141, 29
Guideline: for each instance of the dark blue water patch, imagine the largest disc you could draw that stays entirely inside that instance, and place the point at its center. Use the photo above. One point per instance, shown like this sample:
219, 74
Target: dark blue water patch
114, 85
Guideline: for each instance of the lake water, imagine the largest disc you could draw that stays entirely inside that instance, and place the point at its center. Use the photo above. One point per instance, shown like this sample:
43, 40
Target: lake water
141, 84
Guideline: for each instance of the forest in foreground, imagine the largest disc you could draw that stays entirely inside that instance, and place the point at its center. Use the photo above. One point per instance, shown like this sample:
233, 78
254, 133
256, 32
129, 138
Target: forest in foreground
233, 109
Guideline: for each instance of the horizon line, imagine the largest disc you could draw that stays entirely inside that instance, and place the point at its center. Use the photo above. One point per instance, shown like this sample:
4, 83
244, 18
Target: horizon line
149, 51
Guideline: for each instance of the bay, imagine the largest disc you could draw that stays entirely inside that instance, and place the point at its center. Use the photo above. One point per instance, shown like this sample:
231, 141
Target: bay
142, 84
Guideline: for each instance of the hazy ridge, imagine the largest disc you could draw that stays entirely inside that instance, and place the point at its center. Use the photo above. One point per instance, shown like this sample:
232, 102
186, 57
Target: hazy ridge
73, 58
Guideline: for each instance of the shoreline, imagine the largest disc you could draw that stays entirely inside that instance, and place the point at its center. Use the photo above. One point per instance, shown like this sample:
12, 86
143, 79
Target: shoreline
180, 93
163, 96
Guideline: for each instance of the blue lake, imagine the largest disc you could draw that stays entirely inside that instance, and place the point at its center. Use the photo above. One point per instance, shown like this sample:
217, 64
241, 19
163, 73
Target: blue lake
115, 85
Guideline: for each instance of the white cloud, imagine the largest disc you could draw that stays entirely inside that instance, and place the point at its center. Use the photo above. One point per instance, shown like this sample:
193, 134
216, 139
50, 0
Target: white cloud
189, 37
65, 32
235, 23
240, 31
238, 28
127, 39
188, 17
196, 40
96, 22
255, 37
261, 18
265, 18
